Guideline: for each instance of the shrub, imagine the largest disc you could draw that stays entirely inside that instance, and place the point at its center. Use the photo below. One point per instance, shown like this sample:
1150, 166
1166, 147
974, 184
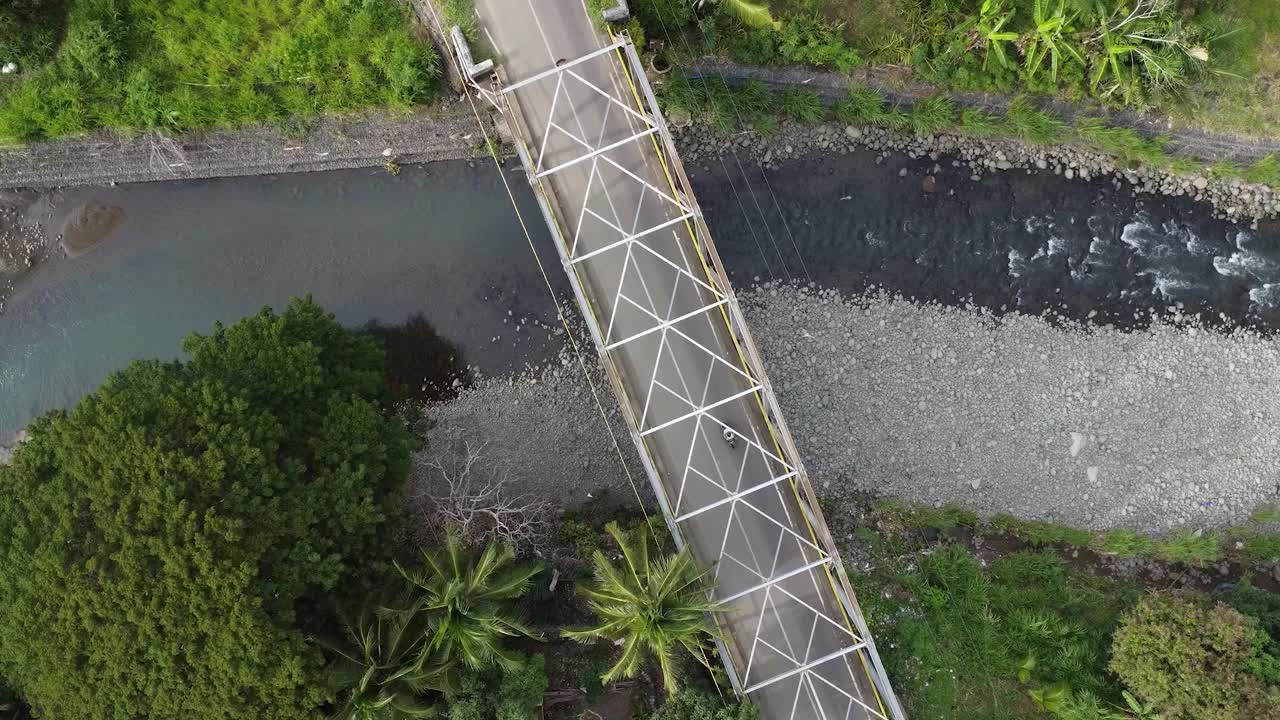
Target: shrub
661, 18
1191, 659
690, 704
1261, 605
501, 695
812, 40
165, 543
1130, 52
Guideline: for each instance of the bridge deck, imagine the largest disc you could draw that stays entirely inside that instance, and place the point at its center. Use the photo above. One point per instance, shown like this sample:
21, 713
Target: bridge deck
665, 319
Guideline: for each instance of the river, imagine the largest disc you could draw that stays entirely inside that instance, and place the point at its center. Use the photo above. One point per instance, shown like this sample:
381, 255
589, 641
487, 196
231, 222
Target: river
441, 241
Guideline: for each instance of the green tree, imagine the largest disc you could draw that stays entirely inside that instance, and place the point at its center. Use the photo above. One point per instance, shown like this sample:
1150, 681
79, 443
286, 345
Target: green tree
164, 545
652, 606
1194, 659
381, 662
469, 601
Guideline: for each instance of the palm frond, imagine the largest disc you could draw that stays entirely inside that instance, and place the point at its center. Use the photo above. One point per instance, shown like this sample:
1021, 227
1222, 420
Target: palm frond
653, 606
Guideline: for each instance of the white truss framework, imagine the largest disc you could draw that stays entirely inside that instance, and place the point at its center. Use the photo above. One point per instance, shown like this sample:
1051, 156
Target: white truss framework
667, 323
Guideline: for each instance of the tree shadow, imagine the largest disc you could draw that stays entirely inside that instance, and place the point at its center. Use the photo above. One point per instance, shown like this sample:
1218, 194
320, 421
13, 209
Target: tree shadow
420, 364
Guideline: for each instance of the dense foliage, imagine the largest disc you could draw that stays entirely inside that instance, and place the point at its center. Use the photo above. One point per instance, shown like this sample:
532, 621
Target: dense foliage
512, 694
967, 642
690, 704
184, 64
164, 545
748, 32
1194, 659
30, 30
469, 600
1131, 51
650, 604
438, 636
382, 662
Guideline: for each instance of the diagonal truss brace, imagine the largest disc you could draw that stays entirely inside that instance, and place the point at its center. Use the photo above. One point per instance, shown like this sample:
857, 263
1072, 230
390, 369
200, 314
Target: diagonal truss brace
804, 668
682, 199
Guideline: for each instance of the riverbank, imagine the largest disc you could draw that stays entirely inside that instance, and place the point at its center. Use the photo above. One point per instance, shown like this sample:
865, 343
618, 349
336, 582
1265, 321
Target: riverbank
1157, 430
1230, 199
900, 89
446, 131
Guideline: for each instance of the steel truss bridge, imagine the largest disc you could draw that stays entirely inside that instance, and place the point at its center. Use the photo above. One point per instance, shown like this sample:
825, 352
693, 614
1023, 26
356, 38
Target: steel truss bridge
669, 331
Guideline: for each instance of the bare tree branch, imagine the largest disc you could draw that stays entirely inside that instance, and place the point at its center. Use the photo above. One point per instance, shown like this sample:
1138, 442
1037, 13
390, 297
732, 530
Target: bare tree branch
463, 489
166, 154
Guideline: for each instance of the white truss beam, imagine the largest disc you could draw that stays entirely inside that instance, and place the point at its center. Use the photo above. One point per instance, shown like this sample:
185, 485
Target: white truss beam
775, 580
561, 68
627, 109
667, 324
702, 410
734, 497
804, 668
630, 238
597, 152
714, 356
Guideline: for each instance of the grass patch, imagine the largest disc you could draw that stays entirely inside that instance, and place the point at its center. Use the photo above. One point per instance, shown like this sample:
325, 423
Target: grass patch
463, 14
1033, 125
188, 64
932, 115
802, 106
1122, 142
1041, 533
1245, 544
968, 642
926, 516
1269, 513
980, 123
1015, 635
865, 106
1265, 171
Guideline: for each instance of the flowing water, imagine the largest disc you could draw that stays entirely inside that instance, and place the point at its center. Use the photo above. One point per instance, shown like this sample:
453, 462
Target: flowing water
149, 263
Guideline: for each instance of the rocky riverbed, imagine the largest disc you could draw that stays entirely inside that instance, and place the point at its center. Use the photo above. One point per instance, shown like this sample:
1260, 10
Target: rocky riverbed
1163, 428
23, 242
1230, 199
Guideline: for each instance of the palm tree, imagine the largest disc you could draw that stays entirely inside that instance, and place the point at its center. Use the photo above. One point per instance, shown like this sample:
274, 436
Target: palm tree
382, 660
467, 601
651, 607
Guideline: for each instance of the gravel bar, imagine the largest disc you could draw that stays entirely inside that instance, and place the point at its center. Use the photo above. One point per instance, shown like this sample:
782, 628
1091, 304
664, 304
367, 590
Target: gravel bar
1170, 427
